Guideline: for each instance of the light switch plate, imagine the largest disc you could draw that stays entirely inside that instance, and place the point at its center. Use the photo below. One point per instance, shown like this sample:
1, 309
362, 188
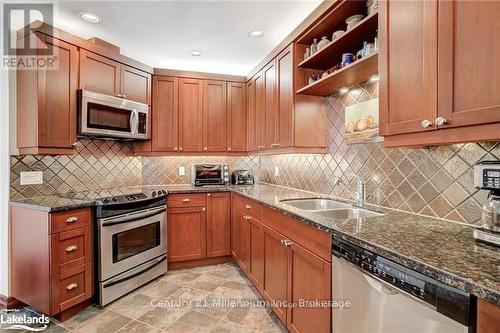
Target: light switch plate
31, 177
276, 171
182, 171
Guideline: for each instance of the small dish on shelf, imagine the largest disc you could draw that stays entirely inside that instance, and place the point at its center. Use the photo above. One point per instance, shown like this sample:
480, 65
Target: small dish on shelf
351, 21
337, 34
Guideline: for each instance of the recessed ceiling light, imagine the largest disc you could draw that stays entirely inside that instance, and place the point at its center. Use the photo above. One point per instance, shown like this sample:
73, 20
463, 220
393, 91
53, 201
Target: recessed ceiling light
91, 18
374, 78
344, 90
195, 53
255, 34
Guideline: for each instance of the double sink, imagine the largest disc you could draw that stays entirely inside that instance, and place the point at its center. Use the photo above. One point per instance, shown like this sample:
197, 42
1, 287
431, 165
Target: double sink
331, 208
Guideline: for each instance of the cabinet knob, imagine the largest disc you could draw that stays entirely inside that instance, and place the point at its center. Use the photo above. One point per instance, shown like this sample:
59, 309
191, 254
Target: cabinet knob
426, 123
72, 286
124, 96
203, 209
175, 148
229, 148
247, 218
186, 200
286, 242
205, 148
71, 248
180, 148
71, 219
248, 206
209, 195
74, 144
440, 121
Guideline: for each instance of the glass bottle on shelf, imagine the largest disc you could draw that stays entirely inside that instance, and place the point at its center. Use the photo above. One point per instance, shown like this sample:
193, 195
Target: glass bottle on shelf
307, 54
314, 46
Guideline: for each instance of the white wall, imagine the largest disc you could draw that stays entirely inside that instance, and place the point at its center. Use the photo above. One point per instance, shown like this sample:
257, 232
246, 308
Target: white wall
4, 173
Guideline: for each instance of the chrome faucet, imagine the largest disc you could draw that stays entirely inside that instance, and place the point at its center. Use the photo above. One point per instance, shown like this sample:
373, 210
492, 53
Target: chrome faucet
360, 194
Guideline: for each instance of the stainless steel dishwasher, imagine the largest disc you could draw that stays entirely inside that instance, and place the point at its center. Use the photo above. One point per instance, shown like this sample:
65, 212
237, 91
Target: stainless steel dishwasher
386, 297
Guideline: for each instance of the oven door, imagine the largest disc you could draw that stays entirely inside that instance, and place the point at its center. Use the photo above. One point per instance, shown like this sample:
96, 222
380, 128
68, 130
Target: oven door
112, 117
129, 240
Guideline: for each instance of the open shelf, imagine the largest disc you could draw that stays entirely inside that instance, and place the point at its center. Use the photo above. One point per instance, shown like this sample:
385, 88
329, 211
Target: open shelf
357, 72
351, 41
335, 20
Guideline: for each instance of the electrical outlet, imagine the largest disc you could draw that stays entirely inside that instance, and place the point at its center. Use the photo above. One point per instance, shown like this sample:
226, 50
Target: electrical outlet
31, 177
276, 171
182, 171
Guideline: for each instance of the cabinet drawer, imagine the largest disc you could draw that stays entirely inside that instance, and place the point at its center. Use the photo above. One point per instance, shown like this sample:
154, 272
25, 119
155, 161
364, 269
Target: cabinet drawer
72, 287
71, 248
72, 219
187, 200
249, 207
317, 241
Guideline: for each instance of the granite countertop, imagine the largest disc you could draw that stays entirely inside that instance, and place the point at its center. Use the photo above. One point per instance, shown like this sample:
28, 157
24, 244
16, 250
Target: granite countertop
438, 248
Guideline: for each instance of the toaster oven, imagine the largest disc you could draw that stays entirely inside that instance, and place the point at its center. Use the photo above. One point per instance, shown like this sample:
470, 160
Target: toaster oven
210, 174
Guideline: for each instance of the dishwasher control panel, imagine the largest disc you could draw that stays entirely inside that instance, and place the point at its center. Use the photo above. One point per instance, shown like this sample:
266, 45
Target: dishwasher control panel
407, 281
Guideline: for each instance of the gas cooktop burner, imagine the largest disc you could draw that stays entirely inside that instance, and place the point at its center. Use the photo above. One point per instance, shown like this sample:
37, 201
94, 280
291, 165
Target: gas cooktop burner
121, 195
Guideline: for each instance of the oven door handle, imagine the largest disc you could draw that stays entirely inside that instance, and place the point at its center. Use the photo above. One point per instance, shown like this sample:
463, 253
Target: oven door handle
132, 274
133, 217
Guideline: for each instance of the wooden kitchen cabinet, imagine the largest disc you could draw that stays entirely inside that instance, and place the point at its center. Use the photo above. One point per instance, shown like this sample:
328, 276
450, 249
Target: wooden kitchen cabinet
186, 233
46, 102
198, 227
165, 114
191, 115
439, 95
106, 76
274, 287
218, 224
242, 240
256, 125
236, 117
52, 258
256, 253
285, 93
488, 316
270, 105
214, 116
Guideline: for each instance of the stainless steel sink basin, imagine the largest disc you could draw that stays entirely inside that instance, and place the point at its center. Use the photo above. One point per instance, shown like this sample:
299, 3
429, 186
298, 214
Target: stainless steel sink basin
349, 213
315, 204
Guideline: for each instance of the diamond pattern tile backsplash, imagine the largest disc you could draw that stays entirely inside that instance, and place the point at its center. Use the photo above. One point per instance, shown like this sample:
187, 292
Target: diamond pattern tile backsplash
97, 164
435, 181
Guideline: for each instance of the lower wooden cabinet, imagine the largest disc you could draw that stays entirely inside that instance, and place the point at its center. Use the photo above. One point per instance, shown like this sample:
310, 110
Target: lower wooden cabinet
488, 316
287, 261
52, 258
198, 226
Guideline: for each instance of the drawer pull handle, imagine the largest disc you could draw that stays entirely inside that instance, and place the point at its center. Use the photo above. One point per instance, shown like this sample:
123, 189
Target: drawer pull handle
248, 207
71, 219
72, 286
186, 200
286, 242
203, 209
246, 217
71, 248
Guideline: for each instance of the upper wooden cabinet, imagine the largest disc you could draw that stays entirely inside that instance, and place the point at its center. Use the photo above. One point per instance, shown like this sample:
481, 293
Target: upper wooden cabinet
279, 121
236, 117
214, 116
165, 114
435, 87
46, 102
104, 75
191, 115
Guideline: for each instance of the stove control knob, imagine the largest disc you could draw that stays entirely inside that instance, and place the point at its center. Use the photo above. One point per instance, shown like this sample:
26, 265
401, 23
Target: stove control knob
106, 201
115, 199
164, 192
153, 194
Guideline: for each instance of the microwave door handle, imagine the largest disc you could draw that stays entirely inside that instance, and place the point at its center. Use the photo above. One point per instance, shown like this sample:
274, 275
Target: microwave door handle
131, 121
136, 121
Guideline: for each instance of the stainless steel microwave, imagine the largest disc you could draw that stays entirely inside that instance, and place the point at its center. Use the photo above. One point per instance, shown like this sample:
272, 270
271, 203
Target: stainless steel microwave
106, 116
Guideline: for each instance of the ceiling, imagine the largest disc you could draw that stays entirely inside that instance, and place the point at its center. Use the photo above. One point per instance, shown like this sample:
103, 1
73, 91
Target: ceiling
161, 33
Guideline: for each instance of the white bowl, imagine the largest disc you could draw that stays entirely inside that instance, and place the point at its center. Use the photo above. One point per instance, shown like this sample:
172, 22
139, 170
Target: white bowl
337, 34
353, 20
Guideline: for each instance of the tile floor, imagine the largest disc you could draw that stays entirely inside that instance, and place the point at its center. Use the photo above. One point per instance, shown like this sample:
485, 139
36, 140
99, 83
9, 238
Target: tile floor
188, 292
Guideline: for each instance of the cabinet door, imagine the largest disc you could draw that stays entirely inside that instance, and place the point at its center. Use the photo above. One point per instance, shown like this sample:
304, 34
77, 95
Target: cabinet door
256, 253
251, 117
315, 285
469, 62
165, 113
270, 105
218, 224
260, 115
186, 233
275, 270
135, 85
243, 236
99, 74
236, 124
407, 66
190, 115
215, 115
285, 98
57, 108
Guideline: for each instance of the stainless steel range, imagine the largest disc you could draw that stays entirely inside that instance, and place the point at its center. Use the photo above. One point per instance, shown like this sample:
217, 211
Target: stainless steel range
131, 240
